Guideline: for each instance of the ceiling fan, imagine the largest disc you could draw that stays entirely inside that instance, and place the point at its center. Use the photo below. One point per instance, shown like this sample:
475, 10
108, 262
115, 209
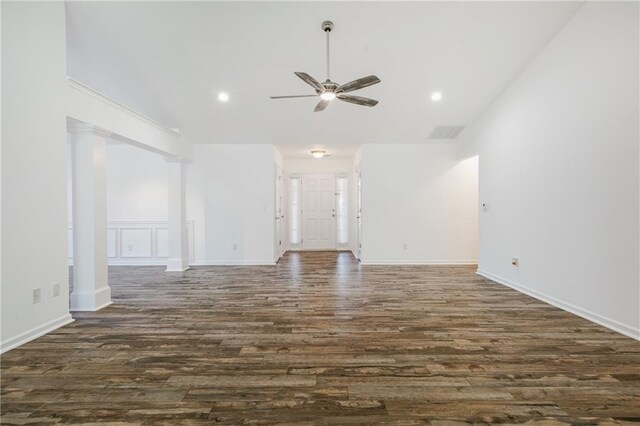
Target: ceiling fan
329, 90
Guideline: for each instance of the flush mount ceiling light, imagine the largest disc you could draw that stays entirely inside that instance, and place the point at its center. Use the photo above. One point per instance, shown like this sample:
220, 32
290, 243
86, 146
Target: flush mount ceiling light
436, 96
223, 97
318, 153
330, 90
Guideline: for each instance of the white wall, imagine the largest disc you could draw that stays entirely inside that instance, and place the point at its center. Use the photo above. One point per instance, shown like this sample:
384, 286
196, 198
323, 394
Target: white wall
34, 167
559, 160
137, 207
421, 196
230, 198
313, 165
228, 188
136, 184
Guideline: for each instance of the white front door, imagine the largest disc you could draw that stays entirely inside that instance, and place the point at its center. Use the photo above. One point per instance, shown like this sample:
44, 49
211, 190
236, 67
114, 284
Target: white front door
318, 212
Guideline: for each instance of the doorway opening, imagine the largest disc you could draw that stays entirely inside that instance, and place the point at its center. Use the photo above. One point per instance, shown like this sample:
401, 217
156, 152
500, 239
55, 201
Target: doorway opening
318, 211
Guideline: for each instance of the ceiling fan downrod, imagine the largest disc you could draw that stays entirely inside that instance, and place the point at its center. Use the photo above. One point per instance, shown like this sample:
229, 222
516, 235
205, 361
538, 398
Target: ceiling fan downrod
327, 26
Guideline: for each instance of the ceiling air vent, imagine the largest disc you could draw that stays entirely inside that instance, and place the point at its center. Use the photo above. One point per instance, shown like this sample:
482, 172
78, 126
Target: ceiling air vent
445, 132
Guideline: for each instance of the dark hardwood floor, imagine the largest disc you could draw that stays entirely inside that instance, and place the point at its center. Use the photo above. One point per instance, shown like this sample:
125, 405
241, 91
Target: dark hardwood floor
320, 339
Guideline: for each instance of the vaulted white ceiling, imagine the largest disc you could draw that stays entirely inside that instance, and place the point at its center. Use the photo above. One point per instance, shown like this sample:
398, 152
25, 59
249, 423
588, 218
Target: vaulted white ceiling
169, 60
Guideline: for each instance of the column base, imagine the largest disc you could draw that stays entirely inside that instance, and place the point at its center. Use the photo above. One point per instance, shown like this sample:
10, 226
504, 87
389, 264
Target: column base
177, 264
90, 301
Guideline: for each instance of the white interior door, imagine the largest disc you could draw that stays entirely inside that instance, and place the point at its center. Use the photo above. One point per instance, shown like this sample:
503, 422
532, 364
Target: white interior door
359, 210
319, 212
279, 216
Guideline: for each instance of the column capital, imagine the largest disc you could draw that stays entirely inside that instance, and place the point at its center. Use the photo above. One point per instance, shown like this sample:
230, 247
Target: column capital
80, 128
176, 160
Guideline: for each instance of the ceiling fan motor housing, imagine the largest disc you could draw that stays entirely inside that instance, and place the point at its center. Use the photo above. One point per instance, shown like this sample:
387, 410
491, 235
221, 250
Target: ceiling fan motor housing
330, 85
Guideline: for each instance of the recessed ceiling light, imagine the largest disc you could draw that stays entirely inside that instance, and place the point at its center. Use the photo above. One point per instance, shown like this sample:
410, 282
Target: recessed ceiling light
436, 96
223, 97
318, 153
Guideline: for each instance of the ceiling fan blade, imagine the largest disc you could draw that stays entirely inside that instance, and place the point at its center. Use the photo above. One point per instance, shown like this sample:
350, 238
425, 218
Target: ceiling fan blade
358, 84
358, 100
310, 81
321, 106
293, 96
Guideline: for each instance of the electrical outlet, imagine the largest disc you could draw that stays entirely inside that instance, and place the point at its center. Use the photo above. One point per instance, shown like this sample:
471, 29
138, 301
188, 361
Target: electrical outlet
36, 295
235, 247
130, 247
514, 262
56, 290
405, 246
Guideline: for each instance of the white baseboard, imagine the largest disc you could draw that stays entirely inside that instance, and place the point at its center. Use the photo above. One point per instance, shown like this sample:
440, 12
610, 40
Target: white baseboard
34, 333
137, 262
233, 263
609, 323
337, 250
418, 262
133, 262
177, 264
90, 301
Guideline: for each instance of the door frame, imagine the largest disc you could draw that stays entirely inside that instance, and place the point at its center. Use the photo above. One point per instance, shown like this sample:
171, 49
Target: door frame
302, 213
358, 211
279, 222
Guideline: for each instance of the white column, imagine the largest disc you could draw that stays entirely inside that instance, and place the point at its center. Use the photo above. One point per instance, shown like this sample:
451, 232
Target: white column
178, 248
89, 154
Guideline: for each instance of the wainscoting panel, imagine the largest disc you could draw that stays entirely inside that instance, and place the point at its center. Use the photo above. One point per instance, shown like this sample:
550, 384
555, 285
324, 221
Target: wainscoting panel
162, 242
112, 242
137, 243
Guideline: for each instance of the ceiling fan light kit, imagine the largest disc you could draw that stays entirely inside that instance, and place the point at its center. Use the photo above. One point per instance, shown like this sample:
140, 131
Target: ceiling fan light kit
329, 90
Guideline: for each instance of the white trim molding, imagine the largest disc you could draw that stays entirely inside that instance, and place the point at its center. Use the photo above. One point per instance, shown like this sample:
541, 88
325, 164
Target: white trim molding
34, 333
355, 255
119, 106
90, 301
76, 127
609, 323
154, 250
233, 263
177, 265
418, 262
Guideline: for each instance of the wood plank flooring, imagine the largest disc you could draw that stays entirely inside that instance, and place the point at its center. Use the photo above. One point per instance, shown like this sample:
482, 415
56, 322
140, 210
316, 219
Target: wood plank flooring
320, 339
